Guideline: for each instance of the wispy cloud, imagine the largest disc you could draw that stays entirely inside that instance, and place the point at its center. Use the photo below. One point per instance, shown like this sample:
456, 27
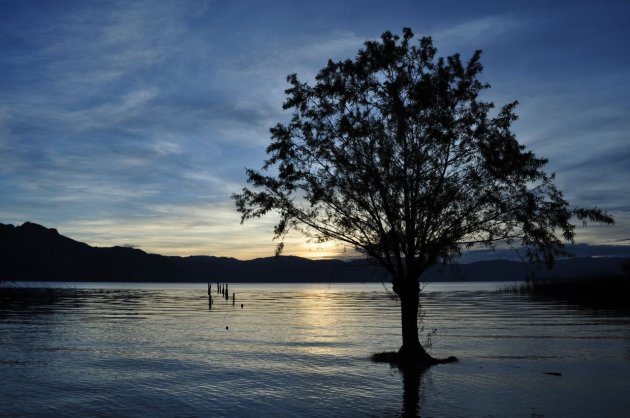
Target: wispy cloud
476, 32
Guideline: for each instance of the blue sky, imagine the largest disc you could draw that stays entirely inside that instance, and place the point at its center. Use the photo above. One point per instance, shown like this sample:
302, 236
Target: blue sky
131, 122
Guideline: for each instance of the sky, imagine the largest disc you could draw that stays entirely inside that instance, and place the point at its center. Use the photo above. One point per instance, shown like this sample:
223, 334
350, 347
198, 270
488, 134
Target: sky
132, 122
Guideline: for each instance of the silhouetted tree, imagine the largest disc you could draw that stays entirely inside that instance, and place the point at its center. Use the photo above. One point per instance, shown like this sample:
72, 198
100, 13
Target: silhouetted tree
395, 154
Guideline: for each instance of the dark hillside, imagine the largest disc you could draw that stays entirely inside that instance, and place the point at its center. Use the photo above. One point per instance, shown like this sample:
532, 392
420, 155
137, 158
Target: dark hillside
33, 252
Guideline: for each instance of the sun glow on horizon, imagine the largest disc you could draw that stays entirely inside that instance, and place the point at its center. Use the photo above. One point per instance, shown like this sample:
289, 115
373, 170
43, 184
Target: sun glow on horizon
222, 238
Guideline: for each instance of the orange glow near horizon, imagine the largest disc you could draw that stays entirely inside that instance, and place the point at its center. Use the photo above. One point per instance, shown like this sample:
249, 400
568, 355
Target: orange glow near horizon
244, 242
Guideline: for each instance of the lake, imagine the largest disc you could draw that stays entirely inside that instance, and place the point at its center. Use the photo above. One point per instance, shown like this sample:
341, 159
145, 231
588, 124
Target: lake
156, 350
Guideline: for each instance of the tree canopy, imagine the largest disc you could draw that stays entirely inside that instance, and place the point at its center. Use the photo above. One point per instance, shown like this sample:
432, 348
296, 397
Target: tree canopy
396, 154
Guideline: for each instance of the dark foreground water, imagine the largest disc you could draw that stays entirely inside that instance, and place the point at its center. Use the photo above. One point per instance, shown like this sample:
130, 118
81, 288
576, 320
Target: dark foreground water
302, 350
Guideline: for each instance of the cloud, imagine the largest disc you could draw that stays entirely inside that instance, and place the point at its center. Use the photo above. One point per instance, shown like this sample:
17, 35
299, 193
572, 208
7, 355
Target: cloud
583, 133
476, 32
143, 115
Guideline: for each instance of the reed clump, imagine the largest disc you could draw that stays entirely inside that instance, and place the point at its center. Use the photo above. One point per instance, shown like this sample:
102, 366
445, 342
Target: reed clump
597, 291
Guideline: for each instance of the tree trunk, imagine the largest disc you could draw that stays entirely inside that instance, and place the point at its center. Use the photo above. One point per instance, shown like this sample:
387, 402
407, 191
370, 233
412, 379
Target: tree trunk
411, 348
411, 354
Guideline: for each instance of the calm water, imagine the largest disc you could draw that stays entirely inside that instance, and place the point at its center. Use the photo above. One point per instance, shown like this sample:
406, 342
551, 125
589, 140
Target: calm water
302, 350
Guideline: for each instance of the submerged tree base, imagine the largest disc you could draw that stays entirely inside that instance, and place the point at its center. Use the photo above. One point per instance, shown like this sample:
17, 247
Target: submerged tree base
421, 360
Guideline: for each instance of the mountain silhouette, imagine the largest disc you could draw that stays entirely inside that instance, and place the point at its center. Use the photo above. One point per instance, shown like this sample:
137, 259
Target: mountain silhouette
34, 252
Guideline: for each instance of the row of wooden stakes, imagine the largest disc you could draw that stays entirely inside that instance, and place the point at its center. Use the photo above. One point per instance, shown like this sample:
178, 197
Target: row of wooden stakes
222, 289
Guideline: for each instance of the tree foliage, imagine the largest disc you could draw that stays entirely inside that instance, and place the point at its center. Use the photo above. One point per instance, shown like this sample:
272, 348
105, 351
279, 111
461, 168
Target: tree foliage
396, 154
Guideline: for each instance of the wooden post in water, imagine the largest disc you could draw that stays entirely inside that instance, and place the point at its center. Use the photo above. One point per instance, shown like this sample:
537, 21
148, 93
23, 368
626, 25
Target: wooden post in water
233, 298
209, 296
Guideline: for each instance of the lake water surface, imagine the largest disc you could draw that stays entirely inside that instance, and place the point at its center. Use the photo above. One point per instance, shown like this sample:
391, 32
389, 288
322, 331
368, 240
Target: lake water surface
303, 350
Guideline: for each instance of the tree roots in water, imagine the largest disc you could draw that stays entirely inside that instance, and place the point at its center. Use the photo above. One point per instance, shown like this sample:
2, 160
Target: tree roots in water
422, 359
